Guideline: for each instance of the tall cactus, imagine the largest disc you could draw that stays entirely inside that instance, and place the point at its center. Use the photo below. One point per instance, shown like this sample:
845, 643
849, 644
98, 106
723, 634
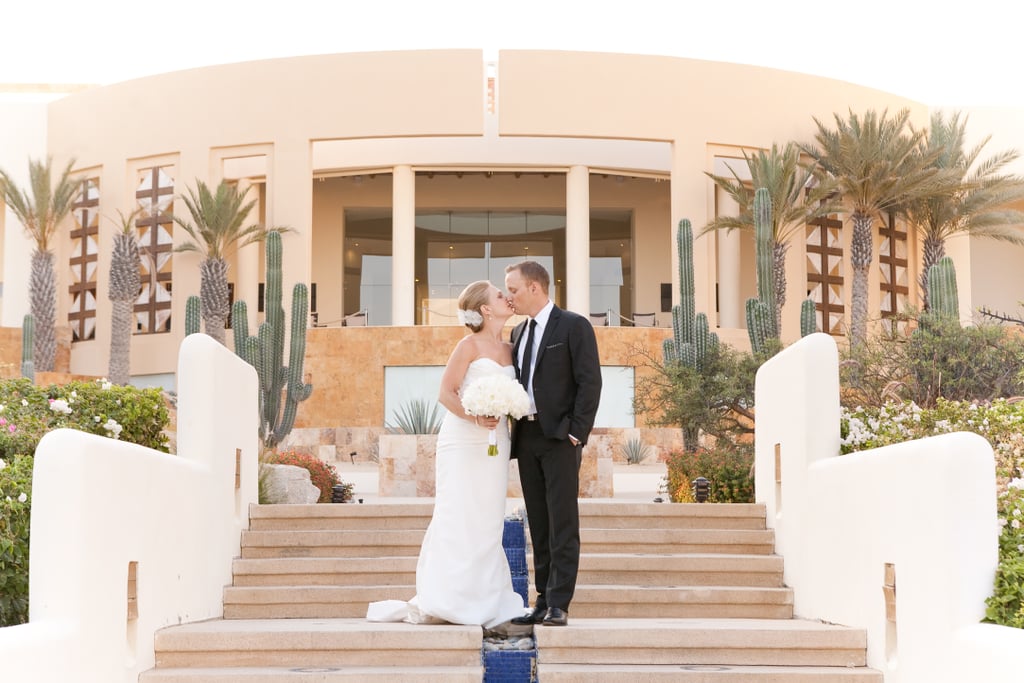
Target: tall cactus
808, 317
28, 332
763, 312
942, 291
193, 316
265, 351
691, 337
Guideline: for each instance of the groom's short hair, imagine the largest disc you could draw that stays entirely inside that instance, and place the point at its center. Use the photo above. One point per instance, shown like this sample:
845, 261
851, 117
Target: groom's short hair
532, 272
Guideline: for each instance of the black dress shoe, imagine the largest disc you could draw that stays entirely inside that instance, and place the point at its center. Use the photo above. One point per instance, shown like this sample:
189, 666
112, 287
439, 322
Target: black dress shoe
556, 617
534, 617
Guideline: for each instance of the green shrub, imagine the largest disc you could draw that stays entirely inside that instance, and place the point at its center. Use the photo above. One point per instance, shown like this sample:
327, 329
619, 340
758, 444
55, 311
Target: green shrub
27, 412
1001, 422
937, 358
729, 468
15, 504
323, 476
1006, 605
126, 413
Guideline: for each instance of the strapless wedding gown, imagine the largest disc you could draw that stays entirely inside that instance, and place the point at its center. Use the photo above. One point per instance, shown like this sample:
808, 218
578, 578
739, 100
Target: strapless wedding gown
462, 576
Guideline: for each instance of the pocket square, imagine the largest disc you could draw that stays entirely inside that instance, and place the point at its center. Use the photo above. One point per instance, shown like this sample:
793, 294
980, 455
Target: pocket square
554, 346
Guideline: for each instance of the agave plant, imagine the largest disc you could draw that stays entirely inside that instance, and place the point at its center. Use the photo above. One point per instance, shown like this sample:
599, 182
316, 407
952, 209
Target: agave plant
635, 450
417, 416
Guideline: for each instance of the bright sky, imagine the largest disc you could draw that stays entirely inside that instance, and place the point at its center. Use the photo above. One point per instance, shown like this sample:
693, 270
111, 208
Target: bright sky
927, 50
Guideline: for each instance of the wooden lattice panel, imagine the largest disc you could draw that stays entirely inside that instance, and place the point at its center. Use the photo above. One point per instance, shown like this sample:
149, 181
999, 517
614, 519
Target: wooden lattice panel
155, 227
83, 262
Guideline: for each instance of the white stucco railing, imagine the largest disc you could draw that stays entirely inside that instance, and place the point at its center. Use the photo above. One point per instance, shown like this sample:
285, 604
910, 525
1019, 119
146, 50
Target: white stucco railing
925, 510
99, 505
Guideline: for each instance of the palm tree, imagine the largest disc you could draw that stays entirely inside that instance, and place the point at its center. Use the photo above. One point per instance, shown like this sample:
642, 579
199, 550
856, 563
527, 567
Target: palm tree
786, 179
875, 165
125, 263
41, 212
216, 226
978, 205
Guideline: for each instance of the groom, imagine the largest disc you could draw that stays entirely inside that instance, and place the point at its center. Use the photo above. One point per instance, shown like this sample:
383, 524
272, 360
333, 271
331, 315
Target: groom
556, 358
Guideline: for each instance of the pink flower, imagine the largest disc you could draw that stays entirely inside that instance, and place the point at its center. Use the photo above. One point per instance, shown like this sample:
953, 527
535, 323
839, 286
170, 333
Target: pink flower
12, 429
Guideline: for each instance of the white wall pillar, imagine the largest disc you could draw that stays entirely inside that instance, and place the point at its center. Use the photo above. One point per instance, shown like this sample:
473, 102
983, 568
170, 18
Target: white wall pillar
247, 261
577, 239
730, 310
403, 246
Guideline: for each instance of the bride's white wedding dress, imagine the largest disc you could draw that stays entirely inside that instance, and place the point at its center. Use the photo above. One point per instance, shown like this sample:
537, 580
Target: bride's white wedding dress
462, 576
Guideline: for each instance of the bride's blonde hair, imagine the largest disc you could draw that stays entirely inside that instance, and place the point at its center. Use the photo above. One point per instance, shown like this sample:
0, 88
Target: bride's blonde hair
475, 295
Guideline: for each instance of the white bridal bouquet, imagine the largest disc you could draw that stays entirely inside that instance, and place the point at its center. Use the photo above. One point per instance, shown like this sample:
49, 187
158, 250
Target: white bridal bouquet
494, 396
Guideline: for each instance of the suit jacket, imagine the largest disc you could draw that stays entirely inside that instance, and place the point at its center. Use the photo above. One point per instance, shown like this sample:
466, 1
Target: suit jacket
566, 375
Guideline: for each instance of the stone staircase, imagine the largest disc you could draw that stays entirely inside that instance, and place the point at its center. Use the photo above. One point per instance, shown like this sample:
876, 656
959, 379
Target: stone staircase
689, 593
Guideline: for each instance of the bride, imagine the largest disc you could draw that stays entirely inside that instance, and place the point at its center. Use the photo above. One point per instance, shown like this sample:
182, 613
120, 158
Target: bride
462, 576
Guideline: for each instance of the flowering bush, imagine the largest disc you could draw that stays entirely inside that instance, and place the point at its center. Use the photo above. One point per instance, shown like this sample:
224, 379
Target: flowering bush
1006, 605
1002, 423
729, 468
27, 412
15, 492
323, 476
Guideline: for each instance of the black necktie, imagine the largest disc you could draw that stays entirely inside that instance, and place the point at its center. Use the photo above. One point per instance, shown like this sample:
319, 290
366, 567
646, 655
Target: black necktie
524, 372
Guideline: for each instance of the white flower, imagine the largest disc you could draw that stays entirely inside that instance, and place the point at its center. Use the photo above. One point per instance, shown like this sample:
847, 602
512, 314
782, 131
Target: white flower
494, 396
1016, 483
59, 405
24, 402
95, 418
74, 395
470, 317
105, 384
22, 498
8, 499
1015, 524
113, 429
2, 406
2, 464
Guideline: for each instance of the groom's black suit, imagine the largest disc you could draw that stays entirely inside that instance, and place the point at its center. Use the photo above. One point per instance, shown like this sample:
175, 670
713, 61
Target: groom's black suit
566, 390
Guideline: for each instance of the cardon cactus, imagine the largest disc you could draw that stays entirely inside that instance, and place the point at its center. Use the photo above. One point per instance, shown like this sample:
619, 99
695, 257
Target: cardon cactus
28, 331
808, 317
265, 351
942, 290
193, 316
691, 337
762, 312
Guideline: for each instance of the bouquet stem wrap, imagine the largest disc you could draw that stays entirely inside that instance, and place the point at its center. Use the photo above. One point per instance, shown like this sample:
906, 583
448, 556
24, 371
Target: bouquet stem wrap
492, 442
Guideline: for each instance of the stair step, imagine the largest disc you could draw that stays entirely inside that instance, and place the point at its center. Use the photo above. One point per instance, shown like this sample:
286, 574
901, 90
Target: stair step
266, 602
703, 673
317, 674
604, 514
288, 643
719, 642
721, 602
595, 568
678, 541
319, 517
345, 543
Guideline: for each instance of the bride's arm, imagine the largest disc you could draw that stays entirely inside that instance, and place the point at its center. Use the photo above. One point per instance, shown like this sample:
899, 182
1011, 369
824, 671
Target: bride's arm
454, 372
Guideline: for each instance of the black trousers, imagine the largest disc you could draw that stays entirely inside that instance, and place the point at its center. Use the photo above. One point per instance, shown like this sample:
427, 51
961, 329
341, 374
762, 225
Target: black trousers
549, 470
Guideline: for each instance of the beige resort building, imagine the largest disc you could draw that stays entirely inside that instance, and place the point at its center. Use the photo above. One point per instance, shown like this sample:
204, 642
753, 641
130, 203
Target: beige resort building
406, 175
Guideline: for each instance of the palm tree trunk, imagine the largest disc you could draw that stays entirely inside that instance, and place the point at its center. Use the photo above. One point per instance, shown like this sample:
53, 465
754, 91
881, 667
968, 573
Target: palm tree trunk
861, 250
934, 249
121, 341
213, 290
43, 304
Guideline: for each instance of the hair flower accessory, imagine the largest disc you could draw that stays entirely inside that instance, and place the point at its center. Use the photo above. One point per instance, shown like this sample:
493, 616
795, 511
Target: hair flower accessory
470, 317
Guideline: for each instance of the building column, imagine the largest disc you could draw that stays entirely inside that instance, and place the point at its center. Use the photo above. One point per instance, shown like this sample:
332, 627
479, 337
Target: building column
290, 204
577, 239
403, 246
247, 260
730, 311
